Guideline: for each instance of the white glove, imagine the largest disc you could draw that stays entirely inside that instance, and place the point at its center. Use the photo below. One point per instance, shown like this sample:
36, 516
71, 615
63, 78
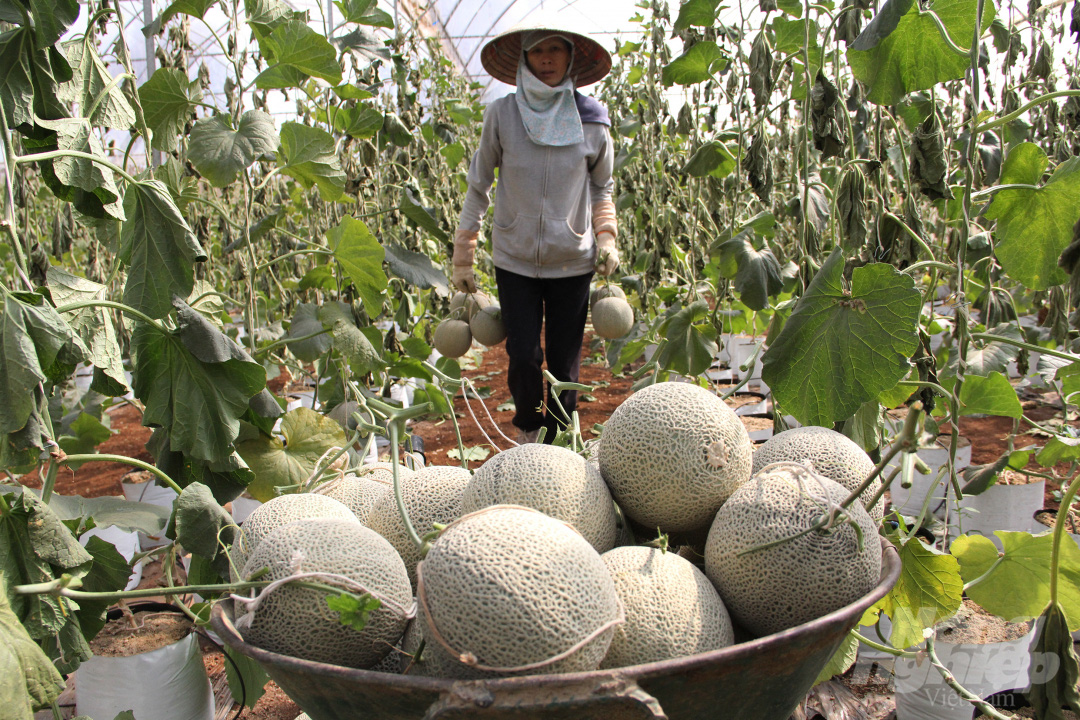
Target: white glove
464, 251
607, 254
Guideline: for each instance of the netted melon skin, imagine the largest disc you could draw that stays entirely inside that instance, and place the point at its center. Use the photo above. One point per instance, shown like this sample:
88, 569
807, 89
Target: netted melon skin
297, 621
554, 480
833, 454
672, 609
432, 495
434, 660
776, 588
453, 338
513, 587
605, 291
487, 326
279, 511
672, 453
359, 493
612, 317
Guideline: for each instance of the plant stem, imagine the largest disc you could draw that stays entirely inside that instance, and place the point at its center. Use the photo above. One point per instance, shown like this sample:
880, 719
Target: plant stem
9, 203
883, 648
1024, 108
52, 154
1026, 346
950, 680
1059, 531
116, 306
50, 481
93, 457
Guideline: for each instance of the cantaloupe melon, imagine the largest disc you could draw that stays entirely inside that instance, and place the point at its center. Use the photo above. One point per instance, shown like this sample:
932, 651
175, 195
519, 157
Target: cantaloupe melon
554, 480
297, 621
833, 454
805, 577
453, 338
605, 290
612, 318
432, 495
469, 304
672, 610
487, 326
672, 453
359, 491
434, 660
510, 590
279, 511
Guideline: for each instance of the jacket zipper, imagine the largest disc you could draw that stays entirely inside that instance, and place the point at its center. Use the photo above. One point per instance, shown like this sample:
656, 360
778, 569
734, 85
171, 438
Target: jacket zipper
543, 197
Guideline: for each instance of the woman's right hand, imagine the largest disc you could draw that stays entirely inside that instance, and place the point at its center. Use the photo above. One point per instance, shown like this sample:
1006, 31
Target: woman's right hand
464, 279
464, 252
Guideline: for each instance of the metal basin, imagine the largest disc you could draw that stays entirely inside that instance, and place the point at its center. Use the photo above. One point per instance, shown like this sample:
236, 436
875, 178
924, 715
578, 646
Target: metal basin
761, 679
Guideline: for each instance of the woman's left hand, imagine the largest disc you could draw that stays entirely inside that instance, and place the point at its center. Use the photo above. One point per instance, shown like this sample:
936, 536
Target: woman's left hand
607, 255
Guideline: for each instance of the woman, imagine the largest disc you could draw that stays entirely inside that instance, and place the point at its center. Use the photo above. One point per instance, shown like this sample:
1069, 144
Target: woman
554, 220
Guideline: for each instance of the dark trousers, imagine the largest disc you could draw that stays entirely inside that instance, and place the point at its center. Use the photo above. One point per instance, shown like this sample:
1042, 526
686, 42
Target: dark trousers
526, 302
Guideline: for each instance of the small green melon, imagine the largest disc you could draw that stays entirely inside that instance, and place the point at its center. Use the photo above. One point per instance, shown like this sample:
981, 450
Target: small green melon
453, 338
605, 290
487, 326
612, 318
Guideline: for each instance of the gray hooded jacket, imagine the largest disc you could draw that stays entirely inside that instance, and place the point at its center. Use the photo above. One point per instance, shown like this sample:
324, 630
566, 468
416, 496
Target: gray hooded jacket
543, 201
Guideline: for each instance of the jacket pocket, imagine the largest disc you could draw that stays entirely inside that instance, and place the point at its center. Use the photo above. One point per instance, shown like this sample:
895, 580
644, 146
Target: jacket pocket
518, 239
563, 244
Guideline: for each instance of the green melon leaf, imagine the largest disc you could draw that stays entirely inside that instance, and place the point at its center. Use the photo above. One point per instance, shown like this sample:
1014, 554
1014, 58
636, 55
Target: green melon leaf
291, 458
882, 57
265, 16
353, 610
34, 341
365, 46
360, 122
361, 256
16, 87
92, 88
690, 345
356, 348
839, 350
1035, 226
52, 18
219, 152
412, 207
90, 187
791, 36
168, 98
226, 478
929, 590
991, 395
1059, 449
713, 158
309, 155
183, 188
842, 659
203, 526
1052, 691
295, 53
247, 680
454, 154
1018, 587
416, 269
124, 514
109, 573
984, 358
158, 247
306, 322
696, 13
93, 324
695, 65
364, 12
192, 8
196, 383
29, 681
86, 433
756, 272
476, 453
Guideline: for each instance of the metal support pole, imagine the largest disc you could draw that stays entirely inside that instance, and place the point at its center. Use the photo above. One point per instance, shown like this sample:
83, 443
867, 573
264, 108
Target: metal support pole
151, 60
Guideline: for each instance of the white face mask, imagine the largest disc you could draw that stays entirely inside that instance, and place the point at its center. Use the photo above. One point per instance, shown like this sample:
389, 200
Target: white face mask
549, 114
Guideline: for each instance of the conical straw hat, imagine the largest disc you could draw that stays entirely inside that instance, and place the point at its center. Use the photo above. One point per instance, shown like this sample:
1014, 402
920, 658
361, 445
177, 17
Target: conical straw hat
500, 55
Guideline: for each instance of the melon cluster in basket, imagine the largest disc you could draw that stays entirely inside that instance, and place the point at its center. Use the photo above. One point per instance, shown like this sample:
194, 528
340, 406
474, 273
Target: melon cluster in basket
530, 568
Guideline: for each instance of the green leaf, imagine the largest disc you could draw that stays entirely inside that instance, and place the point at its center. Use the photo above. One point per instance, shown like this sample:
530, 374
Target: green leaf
929, 590
353, 610
361, 256
183, 188
309, 155
1059, 449
881, 56
264, 16
1035, 226
356, 348
1052, 691
1016, 585
991, 395
87, 432
16, 87
306, 322
94, 325
365, 47
476, 453
90, 187
226, 478
454, 154
695, 65
29, 681
168, 99
115, 511
842, 659
416, 269
841, 349
290, 459
791, 36
52, 18
219, 152
412, 208
364, 12
756, 272
33, 339
158, 247
713, 158
979, 478
192, 8
360, 122
203, 526
195, 383
247, 679
109, 573
985, 358
691, 340
696, 13
92, 88
295, 53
